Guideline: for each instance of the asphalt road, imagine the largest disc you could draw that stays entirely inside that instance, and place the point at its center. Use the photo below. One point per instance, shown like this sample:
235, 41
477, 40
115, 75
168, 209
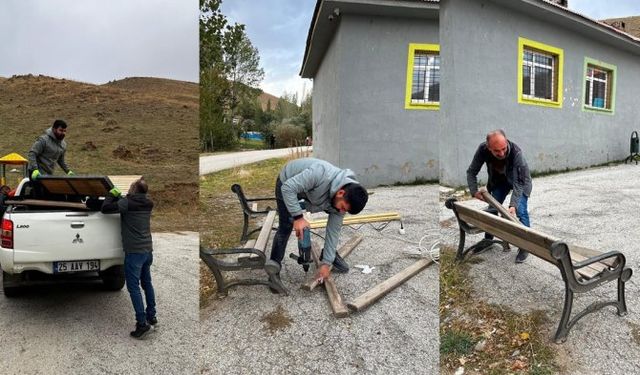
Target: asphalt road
214, 163
598, 209
252, 331
81, 329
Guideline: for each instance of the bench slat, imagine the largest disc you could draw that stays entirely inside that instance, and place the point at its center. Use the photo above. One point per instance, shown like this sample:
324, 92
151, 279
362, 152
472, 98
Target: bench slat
359, 219
521, 236
263, 237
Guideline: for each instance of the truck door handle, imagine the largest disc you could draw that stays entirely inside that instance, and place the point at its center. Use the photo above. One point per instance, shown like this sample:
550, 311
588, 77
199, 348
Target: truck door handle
77, 224
77, 215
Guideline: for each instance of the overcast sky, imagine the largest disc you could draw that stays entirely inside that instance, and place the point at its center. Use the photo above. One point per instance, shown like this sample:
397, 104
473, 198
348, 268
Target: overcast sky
278, 28
100, 40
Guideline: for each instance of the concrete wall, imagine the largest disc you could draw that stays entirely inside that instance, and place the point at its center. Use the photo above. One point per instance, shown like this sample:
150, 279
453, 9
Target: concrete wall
479, 52
361, 86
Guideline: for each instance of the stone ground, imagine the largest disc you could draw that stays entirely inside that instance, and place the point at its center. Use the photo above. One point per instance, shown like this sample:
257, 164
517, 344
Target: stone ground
252, 331
597, 208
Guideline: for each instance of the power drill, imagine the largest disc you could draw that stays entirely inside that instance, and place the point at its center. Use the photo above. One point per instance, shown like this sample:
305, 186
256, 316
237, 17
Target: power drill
304, 250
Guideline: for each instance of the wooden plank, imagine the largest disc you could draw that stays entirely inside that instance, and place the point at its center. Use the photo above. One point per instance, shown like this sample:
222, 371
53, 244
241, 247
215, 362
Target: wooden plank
359, 219
382, 289
263, 237
46, 203
344, 251
254, 206
495, 204
123, 182
535, 242
249, 244
335, 300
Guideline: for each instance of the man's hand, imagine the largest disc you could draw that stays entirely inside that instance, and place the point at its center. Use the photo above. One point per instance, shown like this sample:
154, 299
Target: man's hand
512, 211
70, 173
115, 192
299, 226
35, 174
478, 195
323, 272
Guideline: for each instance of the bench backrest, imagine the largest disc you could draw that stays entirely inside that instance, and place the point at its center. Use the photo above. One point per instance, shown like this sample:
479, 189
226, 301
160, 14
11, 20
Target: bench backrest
242, 198
529, 239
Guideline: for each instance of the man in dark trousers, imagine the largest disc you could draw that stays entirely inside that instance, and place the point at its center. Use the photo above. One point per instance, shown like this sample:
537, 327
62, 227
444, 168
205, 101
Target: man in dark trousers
323, 187
508, 172
135, 213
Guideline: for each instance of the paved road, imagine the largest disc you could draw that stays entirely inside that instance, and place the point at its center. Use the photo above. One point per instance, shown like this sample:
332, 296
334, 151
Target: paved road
214, 163
252, 331
82, 329
596, 208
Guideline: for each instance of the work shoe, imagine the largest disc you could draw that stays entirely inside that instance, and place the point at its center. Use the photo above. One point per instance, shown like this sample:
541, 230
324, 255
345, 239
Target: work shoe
272, 289
522, 255
339, 264
153, 321
141, 331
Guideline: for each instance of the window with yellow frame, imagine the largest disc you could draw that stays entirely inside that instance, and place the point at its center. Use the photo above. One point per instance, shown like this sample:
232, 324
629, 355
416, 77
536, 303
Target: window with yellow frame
539, 73
423, 77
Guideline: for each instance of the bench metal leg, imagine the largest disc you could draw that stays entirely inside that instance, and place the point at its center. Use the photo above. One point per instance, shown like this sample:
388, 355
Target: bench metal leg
565, 326
460, 253
622, 302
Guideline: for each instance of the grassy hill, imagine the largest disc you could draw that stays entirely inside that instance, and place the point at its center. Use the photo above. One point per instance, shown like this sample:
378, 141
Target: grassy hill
145, 126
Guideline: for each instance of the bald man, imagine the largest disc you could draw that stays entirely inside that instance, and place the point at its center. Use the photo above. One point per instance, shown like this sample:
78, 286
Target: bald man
508, 172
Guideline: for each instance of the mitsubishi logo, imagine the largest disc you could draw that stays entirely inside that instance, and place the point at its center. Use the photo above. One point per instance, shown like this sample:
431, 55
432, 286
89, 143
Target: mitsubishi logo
77, 239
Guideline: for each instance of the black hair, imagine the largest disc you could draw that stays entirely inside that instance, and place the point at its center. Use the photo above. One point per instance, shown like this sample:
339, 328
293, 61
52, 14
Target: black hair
59, 124
140, 186
357, 197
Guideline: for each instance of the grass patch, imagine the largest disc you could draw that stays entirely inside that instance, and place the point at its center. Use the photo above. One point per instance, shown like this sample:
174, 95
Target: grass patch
251, 144
220, 219
508, 342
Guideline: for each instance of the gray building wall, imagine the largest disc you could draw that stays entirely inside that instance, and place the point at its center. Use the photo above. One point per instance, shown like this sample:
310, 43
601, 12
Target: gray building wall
479, 59
359, 117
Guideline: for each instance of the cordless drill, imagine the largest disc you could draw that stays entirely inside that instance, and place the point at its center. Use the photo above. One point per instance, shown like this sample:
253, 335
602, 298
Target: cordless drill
304, 250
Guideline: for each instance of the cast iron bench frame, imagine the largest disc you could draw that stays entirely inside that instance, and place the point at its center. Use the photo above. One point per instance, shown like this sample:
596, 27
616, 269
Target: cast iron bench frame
582, 269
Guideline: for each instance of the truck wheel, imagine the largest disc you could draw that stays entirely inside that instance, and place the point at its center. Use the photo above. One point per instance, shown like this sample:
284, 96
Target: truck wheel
10, 284
113, 278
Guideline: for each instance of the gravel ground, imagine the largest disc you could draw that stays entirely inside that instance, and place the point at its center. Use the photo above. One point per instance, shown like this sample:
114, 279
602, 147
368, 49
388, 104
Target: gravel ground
596, 208
82, 329
252, 331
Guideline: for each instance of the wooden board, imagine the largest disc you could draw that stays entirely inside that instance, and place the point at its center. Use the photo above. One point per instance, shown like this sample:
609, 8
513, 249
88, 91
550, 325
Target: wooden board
263, 237
359, 219
335, 300
45, 203
382, 289
517, 234
344, 251
123, 182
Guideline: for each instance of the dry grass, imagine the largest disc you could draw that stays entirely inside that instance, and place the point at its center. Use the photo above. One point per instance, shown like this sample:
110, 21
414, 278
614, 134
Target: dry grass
220, 219
146, 126
485, 338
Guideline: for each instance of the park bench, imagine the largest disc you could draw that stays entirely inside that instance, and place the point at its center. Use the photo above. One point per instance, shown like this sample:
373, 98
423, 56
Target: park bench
250, 210
251, 255
582, 269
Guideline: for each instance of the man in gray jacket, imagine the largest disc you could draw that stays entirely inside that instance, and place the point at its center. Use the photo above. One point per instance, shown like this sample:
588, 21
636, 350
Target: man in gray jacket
48, 150
508, 171
323, 187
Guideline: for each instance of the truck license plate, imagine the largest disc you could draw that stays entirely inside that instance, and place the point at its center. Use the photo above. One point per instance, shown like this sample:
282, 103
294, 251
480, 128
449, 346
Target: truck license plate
76, 266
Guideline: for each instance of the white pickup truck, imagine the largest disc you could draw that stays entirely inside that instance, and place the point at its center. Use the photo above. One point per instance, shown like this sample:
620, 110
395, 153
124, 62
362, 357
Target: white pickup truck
63, 235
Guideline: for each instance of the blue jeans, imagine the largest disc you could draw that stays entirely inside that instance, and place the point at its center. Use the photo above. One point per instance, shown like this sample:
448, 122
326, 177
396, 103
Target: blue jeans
137, 271
500, 192
285, 226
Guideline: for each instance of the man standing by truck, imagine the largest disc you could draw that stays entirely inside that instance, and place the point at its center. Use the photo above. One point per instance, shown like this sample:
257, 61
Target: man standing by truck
135, 212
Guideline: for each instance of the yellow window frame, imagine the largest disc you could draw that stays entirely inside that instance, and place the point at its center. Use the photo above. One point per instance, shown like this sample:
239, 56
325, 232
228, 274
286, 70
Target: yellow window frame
413, 47
544, 48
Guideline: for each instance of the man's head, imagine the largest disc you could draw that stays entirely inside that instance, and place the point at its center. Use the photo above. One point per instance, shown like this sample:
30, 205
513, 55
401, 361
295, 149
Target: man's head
139, 186
59, 129
497, 144
350, 198
5, 189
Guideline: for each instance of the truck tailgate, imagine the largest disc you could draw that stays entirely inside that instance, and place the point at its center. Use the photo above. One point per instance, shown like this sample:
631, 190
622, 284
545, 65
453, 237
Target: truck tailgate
50, 236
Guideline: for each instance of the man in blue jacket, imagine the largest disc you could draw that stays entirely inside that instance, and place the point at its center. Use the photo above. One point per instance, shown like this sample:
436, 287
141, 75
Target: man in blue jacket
323, 187
508, 172
135, 213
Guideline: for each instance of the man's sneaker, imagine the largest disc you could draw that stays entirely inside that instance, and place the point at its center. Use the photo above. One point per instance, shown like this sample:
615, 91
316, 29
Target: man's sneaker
153, 321
141, 331
522, 255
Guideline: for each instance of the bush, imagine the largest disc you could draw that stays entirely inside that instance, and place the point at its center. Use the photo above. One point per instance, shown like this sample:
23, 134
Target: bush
288, 135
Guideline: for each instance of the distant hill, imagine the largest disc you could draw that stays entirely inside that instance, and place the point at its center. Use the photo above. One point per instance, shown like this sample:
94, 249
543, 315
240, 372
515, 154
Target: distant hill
265, 98
145, 126
632, 24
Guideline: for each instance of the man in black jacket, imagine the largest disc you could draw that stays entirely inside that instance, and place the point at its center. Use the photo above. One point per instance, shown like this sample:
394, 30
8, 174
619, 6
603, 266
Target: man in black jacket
135, 213
508, 171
